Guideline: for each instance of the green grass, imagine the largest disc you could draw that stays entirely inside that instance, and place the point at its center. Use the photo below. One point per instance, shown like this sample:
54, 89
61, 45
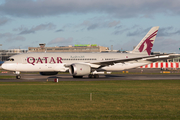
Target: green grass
156, 99
7, 77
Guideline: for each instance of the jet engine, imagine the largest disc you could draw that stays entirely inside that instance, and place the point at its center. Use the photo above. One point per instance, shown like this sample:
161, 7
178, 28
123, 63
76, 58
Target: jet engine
48, 73
79, 69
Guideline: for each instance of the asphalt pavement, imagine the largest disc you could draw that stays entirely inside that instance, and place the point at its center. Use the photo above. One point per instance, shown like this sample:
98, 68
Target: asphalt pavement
68, 77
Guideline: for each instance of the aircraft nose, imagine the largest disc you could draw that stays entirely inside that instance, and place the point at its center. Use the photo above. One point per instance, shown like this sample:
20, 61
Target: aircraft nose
4, 66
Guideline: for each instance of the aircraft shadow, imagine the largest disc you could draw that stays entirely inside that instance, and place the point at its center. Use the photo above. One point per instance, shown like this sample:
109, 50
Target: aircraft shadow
113, 76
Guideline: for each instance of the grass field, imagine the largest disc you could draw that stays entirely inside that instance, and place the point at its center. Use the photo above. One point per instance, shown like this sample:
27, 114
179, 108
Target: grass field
7, 77
156, 99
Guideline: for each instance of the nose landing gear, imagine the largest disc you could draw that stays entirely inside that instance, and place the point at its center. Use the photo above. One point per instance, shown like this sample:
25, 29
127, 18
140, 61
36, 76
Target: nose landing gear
18, 76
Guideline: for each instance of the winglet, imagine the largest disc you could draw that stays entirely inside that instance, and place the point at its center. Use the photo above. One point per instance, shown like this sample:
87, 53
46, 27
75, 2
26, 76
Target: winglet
146, 44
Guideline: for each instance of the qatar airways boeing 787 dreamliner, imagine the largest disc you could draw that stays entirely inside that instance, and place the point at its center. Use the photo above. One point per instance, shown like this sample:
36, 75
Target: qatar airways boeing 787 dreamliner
81, 64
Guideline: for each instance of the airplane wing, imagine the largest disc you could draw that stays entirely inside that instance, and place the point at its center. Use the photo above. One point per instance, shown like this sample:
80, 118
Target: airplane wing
152, 58
163, 57
98, 64
112, 62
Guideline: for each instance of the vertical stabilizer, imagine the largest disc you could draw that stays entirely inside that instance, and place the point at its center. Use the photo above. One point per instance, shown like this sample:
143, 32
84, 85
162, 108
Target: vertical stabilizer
146, 44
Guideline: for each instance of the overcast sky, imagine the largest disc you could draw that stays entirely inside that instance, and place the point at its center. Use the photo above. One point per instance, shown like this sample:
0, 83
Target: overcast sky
121, 23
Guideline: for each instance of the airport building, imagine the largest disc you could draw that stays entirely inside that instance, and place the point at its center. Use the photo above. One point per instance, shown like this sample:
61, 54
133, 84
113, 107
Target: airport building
70, 48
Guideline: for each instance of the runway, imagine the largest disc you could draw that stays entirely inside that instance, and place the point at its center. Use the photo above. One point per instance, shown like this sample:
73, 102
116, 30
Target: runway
68, 77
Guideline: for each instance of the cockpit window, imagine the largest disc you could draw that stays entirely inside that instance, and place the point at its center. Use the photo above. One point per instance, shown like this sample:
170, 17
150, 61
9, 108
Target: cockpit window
10, 59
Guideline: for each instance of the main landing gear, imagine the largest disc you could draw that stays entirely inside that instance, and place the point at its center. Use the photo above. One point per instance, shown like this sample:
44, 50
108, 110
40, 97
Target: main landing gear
93, 76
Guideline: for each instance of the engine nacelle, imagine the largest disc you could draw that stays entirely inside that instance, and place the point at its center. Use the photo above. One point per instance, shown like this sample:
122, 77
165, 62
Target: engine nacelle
48, 73
79, 69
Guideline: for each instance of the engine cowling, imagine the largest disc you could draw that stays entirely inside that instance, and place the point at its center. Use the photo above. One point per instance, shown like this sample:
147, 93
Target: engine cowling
48, 73
79, 69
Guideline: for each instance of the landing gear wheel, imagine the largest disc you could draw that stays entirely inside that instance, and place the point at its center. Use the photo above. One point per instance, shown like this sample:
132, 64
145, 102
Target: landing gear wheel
96, 76
91, 76
18, 77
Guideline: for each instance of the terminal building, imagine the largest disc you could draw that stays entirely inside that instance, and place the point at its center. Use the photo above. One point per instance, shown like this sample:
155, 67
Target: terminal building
70, 48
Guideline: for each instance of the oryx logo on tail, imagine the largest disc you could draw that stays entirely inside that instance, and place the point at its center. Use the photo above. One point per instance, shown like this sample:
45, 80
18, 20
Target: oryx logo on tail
148, 43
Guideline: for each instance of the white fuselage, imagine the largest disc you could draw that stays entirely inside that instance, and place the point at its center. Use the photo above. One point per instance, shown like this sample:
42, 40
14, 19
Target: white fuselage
58, 62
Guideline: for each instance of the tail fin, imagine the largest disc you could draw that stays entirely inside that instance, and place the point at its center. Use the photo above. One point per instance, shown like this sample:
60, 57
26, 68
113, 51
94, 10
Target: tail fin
146, 44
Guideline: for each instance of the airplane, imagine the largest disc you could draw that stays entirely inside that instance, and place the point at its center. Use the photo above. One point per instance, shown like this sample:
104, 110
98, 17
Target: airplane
91, 64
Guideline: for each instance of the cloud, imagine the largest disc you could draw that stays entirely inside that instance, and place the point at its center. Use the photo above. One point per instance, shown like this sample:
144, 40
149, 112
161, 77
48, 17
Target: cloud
49, 26
60, 30
168, 31
139, 31
166, 45
135, 30
113, 23
4, 20
5, 35
61, 41
165, 31
119, 32
120, 29
11, 37
118, 8
16, 38
99, 22
24, 30
93, 26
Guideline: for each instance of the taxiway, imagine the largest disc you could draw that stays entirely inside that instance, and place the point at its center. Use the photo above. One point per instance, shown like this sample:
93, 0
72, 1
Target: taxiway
68, 77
